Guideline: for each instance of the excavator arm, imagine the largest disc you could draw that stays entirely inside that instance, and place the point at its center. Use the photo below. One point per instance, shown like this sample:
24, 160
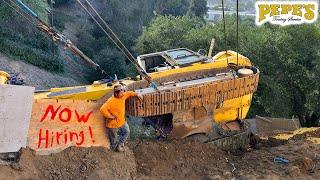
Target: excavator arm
55, 35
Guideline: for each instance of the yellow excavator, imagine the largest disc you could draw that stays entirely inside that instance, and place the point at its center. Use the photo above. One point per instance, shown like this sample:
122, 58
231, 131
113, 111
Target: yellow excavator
197, 96
186, 93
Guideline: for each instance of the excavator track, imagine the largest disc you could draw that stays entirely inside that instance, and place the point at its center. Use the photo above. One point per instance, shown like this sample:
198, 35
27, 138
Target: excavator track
233, 142
182, 96
226, 139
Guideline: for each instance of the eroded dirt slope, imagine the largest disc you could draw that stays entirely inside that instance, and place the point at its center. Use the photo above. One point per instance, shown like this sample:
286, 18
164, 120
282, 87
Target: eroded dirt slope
147, 159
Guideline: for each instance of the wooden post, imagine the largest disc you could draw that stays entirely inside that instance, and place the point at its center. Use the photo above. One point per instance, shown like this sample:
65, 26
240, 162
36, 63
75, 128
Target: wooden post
211, 47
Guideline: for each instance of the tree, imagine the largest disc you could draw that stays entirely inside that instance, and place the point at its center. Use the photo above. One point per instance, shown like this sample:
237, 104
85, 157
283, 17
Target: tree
171, 7
112, 61
198, 8
166, 32
60, 2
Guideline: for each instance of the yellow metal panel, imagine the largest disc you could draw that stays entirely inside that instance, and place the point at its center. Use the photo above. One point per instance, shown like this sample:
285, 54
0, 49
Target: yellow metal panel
4, 77
232, 108
93, 92
218, 63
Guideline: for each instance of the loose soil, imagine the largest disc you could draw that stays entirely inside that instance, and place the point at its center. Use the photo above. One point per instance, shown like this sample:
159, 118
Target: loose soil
148, 159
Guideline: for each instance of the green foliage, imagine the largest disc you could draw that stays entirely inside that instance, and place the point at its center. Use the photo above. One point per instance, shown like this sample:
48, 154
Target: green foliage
198, 8
59, 20
166, 32
171, 7
199, 38
39, 7
109, 59
192, 8
30, 55
60, 2
288, 58
142, 132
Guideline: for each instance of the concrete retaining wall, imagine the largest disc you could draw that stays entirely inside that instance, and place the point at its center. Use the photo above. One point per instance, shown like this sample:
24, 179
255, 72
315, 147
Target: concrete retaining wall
15, 113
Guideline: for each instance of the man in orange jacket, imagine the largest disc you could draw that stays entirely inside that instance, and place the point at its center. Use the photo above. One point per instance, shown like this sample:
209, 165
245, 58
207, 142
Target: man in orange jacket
114, 112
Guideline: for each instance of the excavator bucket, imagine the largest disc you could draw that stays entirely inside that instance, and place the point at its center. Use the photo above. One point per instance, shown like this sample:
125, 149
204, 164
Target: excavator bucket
266, 125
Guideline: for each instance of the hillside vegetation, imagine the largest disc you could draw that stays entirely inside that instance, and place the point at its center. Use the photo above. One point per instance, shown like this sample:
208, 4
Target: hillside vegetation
21, 40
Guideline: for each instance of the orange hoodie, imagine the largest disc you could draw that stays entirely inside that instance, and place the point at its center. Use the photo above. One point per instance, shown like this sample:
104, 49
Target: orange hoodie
116, 106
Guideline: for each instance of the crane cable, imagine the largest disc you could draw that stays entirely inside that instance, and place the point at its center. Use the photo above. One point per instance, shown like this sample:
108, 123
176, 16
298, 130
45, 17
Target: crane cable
225, 34
237, 32
113, 37
224, 31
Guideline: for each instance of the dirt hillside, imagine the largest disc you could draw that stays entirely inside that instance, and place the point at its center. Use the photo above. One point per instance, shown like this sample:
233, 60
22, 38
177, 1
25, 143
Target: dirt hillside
149, 159
75, 70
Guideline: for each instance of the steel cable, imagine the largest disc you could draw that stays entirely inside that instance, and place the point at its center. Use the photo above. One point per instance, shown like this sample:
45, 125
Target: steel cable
237, 32
224, 31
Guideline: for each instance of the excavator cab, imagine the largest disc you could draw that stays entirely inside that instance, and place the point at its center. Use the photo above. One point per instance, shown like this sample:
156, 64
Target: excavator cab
169, 59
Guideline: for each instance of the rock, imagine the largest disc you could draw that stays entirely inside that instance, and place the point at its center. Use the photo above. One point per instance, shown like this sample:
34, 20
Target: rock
213, 177
307, 163
4, 163
227, 174
294, 171
216, 177
16, 166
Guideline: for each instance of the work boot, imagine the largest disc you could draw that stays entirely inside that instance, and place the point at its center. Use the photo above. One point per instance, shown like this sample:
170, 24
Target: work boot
120, 148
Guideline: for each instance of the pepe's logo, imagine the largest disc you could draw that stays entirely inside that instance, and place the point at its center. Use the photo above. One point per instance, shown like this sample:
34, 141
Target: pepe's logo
286, 12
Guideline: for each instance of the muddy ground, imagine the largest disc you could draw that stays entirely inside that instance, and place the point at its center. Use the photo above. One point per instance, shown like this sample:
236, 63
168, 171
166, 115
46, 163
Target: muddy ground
148, 159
